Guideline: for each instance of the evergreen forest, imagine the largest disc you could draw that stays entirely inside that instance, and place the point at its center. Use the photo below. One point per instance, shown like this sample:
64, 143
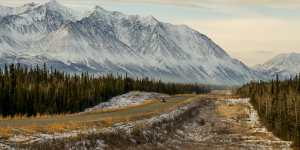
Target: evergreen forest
40, 90
278, 105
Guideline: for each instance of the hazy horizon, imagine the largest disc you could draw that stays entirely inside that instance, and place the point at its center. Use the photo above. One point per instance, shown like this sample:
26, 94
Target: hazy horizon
251, 31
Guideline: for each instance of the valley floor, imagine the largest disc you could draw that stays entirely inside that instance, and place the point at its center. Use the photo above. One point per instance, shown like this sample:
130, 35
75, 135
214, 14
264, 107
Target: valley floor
184, 122
230, 124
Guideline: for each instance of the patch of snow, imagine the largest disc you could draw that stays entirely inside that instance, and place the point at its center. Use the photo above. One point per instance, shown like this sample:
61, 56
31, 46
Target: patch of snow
253, 119
131, 98
4, 147
19, 138
255, 125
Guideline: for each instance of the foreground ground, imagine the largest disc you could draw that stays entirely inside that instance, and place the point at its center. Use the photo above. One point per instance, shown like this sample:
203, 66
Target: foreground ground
212, 121
230, 124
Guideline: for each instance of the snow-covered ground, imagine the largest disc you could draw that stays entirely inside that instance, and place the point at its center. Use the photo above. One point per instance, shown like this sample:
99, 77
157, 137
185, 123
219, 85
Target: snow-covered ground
128, 99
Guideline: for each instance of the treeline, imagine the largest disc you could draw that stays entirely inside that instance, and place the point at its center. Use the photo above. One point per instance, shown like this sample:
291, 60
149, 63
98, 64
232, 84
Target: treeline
278, 105
39, 90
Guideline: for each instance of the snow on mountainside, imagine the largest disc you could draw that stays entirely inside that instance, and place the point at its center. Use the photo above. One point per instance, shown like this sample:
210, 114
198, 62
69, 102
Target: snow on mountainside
285, 65
5, 11
111, 42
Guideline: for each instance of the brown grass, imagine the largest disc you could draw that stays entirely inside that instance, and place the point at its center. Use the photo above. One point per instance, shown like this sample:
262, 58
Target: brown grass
108, 121
53, 128
112, 120
45, 116
186, 95
38, 116
30, 129
102, 122
231, 111
5, 132
60, 128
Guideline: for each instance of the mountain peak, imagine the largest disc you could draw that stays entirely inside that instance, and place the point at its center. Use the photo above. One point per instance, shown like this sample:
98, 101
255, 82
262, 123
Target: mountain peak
100, 9
26, 7
66, 12
111, 42
97, 7
100, 12
5, 10
53, 4
146, 20
151, 19
285, 56
292, 54
32, 4
285, 65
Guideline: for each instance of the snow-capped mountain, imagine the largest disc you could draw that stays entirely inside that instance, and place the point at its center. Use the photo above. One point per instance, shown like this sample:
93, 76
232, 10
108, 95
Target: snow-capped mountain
285, 65
5, 11
111, 42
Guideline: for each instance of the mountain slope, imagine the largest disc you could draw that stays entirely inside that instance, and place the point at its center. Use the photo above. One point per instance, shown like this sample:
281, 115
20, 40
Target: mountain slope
19, 30
111, 42
6, 11
285, 65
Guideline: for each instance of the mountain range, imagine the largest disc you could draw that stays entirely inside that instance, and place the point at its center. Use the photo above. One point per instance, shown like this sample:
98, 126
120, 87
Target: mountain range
284, 65
102, 42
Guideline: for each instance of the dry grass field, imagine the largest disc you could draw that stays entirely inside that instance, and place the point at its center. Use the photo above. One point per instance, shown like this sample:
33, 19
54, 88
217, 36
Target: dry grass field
99, 118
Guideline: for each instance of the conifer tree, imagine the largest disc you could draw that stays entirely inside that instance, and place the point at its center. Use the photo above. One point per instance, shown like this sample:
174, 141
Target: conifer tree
35, 90
278, 105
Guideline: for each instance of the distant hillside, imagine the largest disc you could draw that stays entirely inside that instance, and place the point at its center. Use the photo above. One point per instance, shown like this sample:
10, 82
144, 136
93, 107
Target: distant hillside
285, 65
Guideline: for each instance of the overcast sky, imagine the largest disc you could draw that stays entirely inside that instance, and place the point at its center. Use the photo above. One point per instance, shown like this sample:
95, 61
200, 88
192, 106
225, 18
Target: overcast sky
250, 30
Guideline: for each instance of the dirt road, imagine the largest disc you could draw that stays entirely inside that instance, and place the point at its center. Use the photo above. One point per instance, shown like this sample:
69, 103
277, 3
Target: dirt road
96, 116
